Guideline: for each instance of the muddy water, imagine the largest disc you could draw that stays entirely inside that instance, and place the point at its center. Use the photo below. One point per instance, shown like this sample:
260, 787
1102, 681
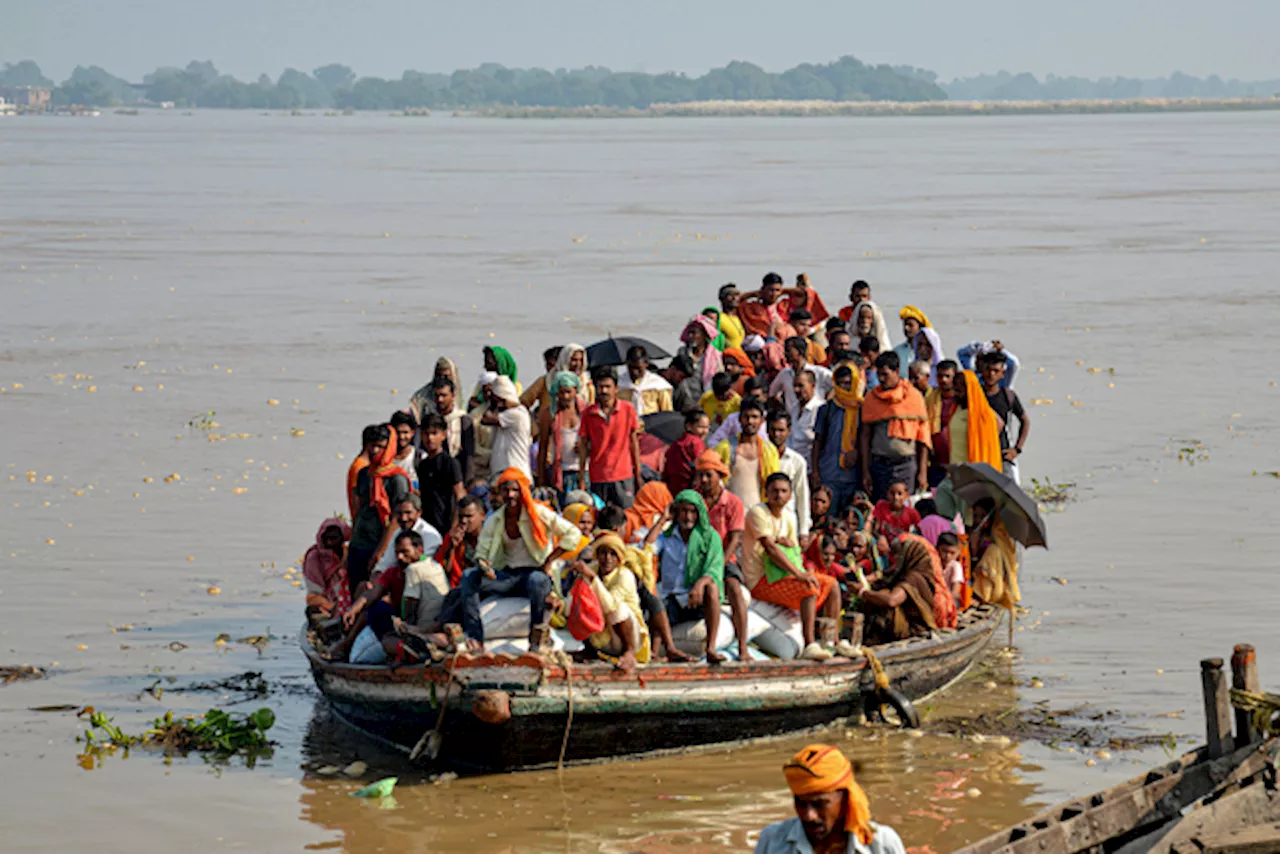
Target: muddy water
160, 267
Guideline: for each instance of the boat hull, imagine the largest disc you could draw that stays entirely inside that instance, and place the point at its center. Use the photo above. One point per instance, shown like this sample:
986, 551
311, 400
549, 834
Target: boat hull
660, 709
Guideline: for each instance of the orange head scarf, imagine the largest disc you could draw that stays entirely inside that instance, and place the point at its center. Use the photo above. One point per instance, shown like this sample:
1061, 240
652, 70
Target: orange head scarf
984, 428
737, 355
709, 460
536, 526
380, 469
651, 502
819, 769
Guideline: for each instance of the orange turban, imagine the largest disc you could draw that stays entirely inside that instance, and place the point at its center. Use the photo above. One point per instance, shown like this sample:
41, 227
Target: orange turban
709, 460
819, 769
536, 526
739, 356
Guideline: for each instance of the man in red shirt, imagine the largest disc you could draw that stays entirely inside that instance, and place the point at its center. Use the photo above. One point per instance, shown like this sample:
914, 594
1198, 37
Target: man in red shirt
609, 439
729, 518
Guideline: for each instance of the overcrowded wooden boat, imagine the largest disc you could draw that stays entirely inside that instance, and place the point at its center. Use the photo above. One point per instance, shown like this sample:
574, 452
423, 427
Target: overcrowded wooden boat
591, 712
1219, 799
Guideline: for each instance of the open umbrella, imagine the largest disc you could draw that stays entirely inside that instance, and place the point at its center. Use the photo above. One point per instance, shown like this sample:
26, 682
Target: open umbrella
975, 481
613, 351
667, 426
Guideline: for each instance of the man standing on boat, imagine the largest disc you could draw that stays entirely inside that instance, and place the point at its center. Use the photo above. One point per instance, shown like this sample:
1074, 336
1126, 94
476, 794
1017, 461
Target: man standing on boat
993, 368
517, 546
609, 440
832, 811
894, 441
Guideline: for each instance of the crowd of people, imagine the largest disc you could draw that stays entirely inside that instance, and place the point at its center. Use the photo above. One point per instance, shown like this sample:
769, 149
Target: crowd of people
812, 473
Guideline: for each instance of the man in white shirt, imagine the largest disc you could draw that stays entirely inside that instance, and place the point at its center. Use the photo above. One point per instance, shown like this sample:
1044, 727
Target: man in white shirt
513, 429
794, 466
804, 416
408, 516
643, 389
784, 384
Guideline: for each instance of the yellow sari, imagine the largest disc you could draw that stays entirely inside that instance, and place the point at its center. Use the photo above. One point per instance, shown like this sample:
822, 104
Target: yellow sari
995, 578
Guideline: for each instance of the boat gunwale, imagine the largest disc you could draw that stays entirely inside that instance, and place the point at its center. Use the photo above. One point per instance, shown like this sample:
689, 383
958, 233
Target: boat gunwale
982, 620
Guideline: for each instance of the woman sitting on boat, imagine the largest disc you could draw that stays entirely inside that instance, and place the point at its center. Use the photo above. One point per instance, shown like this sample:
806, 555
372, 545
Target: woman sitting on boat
625, 634
324, 570
911, 599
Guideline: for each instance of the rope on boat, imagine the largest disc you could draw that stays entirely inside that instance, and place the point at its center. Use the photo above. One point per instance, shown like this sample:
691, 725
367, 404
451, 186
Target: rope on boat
877, 669
1264, 707
560, 658
432, 738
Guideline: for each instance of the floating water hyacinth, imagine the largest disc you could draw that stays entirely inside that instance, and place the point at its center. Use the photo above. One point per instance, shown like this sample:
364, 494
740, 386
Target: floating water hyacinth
380, 789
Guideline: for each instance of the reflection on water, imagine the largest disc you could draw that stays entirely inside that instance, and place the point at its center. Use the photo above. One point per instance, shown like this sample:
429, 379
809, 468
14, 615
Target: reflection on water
937, 791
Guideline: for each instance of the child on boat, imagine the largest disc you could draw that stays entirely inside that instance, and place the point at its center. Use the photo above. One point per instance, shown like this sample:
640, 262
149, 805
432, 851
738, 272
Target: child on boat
894, 515
952, 570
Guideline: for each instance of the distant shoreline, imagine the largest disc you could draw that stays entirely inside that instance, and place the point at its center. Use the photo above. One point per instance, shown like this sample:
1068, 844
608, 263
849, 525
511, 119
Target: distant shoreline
816, 109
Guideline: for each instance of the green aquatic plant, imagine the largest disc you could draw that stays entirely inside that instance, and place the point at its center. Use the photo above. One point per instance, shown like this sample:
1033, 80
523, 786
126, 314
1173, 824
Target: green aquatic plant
218, 732
1049, 493
203, 421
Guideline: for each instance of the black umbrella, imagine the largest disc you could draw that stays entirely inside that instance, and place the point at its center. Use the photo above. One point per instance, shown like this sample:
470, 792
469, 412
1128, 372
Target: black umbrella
613, 351
975, 481
667, 426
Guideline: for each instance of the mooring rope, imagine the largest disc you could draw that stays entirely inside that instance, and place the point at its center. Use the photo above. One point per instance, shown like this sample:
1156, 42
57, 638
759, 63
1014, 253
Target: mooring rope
877, 669
561, 658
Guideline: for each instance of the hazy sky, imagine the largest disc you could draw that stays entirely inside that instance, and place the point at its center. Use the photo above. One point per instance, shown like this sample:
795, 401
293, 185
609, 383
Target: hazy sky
1092, 38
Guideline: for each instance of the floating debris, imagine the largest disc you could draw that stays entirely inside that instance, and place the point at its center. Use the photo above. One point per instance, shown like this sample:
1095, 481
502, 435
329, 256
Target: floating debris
1048, 492
19, 673
1077, 727
380, 789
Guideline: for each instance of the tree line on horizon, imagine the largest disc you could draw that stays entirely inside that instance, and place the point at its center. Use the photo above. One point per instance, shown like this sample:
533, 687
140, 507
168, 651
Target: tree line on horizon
200, 84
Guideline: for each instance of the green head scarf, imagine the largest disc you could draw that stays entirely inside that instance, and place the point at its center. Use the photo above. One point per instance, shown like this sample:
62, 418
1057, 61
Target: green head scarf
705, 552
562, 379
506, 362
719, 341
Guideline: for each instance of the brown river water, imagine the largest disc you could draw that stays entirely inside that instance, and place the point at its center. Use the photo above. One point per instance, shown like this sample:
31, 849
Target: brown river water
159, 267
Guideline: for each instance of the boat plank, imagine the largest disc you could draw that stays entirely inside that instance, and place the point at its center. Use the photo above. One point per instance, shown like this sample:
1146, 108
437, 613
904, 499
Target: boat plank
1247, 807
1137, 806
1264, 839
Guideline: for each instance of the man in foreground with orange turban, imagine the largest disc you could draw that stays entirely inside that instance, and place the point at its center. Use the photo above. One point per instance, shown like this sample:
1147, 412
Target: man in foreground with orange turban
832, 812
